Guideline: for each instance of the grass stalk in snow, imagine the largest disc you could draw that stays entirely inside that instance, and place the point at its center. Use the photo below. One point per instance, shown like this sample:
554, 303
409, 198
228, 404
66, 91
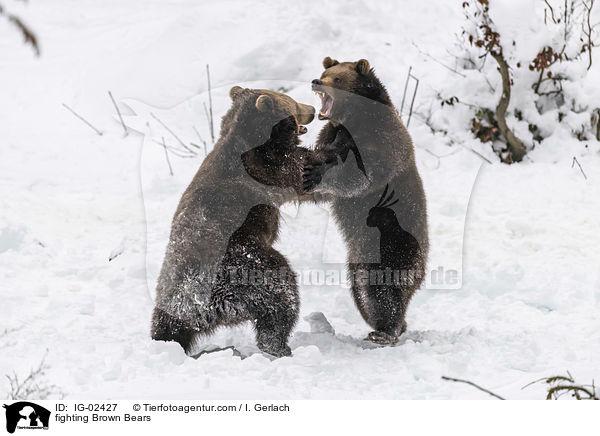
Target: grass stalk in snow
201, 140
189, 150
560, 385
82, 119
167, 155
575, 161
212, 130
118, 112
474, 385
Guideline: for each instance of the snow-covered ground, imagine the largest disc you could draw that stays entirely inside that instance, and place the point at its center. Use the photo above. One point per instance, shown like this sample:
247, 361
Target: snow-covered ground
524, 238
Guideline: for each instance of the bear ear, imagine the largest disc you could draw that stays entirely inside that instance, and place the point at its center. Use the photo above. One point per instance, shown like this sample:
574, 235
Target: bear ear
328, 62
235, 92
363, 66
264, 103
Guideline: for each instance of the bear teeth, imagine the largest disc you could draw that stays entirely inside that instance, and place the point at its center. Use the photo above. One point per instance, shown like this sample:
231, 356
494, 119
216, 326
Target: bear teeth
326, 103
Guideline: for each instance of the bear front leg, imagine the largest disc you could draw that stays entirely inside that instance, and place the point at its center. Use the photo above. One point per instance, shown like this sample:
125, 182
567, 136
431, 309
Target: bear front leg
312, 175
322, 161
330, 156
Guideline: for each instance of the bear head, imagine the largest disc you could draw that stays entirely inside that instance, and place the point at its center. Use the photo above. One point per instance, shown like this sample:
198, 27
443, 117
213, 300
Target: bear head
346, 87
276, 159
258, 114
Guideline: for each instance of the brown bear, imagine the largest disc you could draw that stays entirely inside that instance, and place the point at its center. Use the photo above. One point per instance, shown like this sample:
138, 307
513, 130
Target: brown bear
225, 224
363, 151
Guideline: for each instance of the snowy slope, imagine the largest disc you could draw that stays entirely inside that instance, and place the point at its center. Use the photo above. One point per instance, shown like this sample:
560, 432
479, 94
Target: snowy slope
523, 238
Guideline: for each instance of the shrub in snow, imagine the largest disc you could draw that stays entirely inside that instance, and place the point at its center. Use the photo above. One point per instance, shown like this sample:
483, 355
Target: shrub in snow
527, 76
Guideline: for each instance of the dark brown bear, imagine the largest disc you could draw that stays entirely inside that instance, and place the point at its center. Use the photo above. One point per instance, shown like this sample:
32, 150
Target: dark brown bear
220, 243
364, 165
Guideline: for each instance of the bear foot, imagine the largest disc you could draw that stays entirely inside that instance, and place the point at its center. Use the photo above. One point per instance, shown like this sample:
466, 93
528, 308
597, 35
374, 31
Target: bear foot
276, 352
382, 338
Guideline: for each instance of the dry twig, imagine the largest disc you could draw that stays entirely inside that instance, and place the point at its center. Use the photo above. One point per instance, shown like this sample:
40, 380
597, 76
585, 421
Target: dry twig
575, 161
167, 155
82, 119
189, 150
474, 385
27, 33
212, 131
118, 112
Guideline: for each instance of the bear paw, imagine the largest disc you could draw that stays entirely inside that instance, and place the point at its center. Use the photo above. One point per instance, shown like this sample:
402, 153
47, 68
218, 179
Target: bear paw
277, 352
312, 176
382, 338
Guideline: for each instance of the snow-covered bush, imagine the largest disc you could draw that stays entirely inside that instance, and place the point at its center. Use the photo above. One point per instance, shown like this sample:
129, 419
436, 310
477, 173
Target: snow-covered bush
527, 76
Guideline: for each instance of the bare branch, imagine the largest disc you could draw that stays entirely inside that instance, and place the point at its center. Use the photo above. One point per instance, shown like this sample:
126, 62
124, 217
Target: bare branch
437, 61
201, 140
207, 117
588, 32
173, 133
118, 112
515, 145
82, 119
474, 385
575, 161
551, 11
176, 151
212, 131
27, 33
167, 155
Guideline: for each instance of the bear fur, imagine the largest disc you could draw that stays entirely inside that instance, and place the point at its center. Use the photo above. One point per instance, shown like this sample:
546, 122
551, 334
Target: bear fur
228, 212
362, 151
256, 283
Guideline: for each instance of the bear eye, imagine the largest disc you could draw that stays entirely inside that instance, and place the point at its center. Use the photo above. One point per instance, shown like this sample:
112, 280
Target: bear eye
337, 80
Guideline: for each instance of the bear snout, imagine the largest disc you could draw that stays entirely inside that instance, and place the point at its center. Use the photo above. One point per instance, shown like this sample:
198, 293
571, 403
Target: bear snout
306, 113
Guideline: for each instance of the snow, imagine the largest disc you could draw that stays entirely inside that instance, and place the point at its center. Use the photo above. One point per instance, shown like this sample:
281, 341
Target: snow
523, 239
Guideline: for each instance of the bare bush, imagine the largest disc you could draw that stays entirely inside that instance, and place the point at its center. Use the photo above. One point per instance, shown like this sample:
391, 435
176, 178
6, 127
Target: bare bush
560, 385
32, 386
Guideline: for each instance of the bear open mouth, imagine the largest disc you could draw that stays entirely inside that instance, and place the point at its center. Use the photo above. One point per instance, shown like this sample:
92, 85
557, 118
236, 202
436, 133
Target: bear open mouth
326, 105
302, 129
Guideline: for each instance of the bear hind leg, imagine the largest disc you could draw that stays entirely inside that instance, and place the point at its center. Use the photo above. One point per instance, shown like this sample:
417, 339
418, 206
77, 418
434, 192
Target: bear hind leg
274, 325
387, 310
271, 338
166, 327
